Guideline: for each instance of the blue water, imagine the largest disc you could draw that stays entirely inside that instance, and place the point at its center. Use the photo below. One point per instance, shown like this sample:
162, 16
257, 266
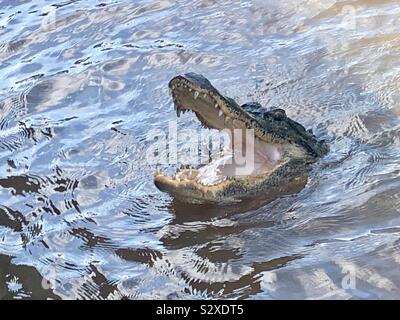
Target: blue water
83, 82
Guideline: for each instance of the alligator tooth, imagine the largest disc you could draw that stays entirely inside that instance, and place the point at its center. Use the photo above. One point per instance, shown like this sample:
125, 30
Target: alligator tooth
158, 171
227, 119
220, 113
190, 89
196, 94
205, 95
216, 106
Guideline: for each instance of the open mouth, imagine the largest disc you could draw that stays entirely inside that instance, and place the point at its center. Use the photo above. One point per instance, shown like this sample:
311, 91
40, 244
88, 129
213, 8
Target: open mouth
258, 158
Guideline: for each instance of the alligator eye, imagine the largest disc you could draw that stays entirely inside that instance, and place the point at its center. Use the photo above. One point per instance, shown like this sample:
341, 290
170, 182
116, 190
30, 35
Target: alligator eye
278, 114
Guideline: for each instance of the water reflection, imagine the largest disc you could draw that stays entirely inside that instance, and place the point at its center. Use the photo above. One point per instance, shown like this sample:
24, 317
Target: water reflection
79, 214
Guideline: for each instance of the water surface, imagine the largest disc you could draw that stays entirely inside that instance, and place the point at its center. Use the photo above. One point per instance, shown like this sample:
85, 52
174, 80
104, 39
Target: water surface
84, 81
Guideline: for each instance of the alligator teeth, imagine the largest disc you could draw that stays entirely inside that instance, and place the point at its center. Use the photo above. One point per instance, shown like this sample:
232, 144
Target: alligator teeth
220, 113
205, 95
227, 119
216, 106
196, 94
190, 89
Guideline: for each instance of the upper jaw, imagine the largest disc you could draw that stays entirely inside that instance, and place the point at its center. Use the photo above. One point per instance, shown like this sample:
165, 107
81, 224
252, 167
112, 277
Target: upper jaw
214, 110
194, 92
211, 108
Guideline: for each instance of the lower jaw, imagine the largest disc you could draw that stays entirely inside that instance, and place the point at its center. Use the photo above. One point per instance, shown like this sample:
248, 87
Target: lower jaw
189, 188
255, 197
191, 191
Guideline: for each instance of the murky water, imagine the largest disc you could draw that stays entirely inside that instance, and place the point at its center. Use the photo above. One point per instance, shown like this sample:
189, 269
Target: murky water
84, 81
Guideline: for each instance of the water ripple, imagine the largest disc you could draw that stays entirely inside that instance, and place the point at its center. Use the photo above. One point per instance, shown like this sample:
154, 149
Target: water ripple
84, 82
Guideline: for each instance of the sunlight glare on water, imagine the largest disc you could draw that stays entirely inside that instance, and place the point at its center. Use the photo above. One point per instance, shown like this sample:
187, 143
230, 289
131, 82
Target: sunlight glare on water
84, 81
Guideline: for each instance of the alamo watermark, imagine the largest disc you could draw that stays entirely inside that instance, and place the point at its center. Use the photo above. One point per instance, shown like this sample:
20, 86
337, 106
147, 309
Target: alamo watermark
201, 147
349, 278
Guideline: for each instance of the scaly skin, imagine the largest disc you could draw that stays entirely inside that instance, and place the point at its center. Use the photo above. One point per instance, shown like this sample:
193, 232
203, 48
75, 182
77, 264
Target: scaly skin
299, 147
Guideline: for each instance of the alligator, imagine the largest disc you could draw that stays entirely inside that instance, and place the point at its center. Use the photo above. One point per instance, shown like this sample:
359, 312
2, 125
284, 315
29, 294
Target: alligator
283, 149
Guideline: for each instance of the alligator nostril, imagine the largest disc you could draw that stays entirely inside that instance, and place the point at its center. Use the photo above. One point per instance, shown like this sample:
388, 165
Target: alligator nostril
278, 114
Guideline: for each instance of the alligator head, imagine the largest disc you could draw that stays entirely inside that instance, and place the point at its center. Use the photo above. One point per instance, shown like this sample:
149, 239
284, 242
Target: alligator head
282, 148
